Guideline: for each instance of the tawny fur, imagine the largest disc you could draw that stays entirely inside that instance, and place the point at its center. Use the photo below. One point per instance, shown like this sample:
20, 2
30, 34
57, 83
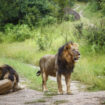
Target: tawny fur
60, 64
8, 79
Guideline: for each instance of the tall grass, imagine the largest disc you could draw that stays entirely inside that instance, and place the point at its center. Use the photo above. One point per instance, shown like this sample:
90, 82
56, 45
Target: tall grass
91, 70
29, 73
46, 40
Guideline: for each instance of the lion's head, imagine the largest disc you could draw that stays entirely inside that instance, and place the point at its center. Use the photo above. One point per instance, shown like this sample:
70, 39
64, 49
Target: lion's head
71, 51
68, 54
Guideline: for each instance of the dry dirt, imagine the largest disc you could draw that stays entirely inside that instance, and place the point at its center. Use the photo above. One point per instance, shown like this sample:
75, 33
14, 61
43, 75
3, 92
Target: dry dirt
32, 97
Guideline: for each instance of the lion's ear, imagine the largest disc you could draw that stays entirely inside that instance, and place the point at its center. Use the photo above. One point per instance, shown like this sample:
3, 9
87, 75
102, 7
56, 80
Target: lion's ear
75, 45
68, 46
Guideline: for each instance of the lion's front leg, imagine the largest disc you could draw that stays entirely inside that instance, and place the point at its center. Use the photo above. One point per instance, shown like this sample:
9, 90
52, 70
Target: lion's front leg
67, 80
60, 91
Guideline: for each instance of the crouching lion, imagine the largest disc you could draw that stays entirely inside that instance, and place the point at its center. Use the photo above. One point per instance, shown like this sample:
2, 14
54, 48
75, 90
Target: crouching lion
60, 64
8, 79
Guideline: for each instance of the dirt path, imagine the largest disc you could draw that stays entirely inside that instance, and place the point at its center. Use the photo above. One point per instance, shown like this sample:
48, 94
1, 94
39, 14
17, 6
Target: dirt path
32, 97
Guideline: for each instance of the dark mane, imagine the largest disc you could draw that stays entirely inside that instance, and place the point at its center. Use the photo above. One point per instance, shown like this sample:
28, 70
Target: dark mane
60, 50
63, 66
5, 69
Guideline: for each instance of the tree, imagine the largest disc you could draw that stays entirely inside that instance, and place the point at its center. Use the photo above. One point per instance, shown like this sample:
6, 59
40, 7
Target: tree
9, 11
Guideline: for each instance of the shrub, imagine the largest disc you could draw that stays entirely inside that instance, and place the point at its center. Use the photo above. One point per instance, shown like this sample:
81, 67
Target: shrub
1, 37
103, 6
69, 17
95, 35
79, 29
48, 20
17, 33
43, 40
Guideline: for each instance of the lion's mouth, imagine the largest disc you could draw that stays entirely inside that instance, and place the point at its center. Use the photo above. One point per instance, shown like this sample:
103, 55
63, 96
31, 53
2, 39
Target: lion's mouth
76, 58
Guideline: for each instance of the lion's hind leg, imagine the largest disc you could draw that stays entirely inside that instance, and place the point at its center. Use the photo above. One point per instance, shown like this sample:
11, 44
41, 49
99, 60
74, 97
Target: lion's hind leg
44, 80
5, 86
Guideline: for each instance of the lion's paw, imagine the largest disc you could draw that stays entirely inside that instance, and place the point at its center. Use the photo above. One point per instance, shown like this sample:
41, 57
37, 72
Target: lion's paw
69, 93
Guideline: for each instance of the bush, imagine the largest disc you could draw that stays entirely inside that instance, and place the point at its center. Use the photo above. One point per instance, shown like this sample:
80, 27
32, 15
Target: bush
103, 6
69, 17
79, 29
26, 11
94, 6
17, 33
48, 20
95, 35
43, 40
1, 37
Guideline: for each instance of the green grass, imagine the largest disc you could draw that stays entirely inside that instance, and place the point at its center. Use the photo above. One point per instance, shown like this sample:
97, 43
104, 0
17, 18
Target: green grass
29, 73
29, 52
36, 101
91, 70
89, 11
24, 51
58, 102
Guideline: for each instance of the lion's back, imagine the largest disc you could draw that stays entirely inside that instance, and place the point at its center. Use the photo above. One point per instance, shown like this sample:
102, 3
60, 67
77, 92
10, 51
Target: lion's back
6, 69
47, 63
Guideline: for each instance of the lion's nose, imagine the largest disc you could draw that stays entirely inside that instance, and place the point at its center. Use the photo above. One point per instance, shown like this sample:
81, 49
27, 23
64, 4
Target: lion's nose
78, 53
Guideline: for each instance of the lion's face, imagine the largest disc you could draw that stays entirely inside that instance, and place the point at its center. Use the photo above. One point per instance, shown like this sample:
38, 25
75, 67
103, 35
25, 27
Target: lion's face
75, 52
71, 52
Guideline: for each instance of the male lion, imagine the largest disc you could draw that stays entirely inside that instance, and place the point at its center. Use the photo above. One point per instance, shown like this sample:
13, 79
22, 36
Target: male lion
8, 79
60, 64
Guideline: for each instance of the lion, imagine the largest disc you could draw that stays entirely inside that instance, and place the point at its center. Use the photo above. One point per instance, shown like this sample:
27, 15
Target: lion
60, 64
8, 79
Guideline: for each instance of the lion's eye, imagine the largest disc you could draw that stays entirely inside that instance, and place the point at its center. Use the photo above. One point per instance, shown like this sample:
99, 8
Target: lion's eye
73, 49
67, 48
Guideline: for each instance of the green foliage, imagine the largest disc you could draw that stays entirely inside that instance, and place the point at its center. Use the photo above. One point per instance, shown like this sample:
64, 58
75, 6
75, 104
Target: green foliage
9, 11
69, 17
1, 37
79, 28
94, 6
16, 33
28, 51
103, 6
31, 12
63, 4
82, 0
44, 40
41, 41
90, 72
48, 20
37, 10
28, 72
95, 35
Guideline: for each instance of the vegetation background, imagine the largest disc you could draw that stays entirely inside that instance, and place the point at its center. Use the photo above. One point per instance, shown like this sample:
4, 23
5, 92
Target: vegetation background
30, 29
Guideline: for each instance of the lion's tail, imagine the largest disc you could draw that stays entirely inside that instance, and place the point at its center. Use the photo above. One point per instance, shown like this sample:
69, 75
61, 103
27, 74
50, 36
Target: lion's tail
38, 73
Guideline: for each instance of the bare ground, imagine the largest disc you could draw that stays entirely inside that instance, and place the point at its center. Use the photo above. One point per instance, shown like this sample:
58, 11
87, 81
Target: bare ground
28, 96
32, 97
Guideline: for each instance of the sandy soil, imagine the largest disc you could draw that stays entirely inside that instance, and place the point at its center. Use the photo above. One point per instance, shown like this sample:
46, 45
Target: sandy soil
31, 97
28, 96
